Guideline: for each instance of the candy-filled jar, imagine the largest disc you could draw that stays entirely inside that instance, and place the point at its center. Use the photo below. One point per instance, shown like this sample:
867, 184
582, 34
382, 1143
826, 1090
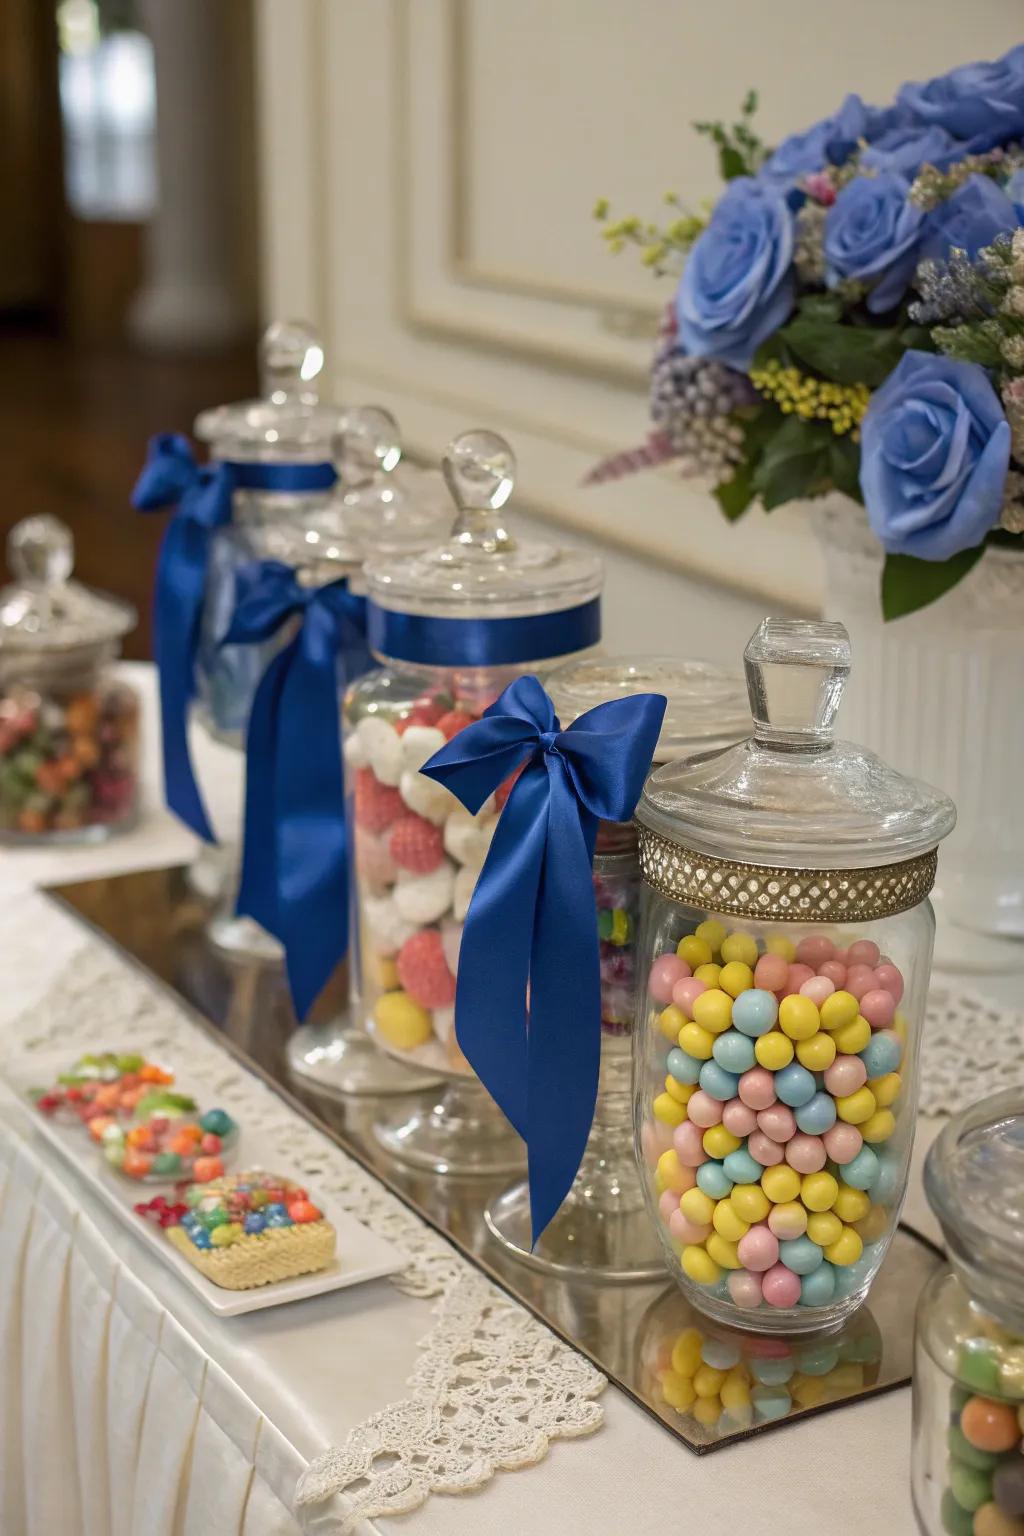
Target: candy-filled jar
785, 950
452, 628
968, 1447
602, 1227
69, 730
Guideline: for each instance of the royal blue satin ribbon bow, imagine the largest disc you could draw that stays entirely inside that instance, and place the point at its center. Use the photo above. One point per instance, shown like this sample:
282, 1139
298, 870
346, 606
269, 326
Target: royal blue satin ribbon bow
532, 921
294, 863
202, 496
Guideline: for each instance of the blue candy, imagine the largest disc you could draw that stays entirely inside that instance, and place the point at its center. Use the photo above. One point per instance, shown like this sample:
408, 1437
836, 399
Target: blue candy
200, 1238
284, 1220
719, 1083
733, 1051
817, 1289
817, 1116
801, 1255
741, 1167
684, 1068
770, 1402
882, 1054
714, 1181
794, 1085
773, 1373
818, 1359
885, 1187
862, 1171
754, 1012
276, 1209
255, 1221
720, 1354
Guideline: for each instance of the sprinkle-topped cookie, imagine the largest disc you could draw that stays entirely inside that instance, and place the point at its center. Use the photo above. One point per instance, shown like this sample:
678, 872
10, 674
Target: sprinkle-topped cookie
246, 1229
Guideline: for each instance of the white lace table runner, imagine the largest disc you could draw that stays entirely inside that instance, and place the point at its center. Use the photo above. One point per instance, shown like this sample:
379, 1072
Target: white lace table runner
972, 1047
492, 1386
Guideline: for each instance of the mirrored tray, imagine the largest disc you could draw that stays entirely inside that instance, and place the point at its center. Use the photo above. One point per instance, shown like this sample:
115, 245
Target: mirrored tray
639, 1335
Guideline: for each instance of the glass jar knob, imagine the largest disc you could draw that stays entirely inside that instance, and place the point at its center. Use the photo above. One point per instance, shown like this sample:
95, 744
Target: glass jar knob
291, 357
796, 670
368, 444
41, 551
479, 469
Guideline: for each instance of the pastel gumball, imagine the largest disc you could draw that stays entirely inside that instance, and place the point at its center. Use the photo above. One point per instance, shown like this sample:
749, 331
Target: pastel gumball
758, 1249
420, 742
879, 1007
890, 977
805, 1153
771, 973
685, 1231
764, 1150
467, 838
426, 898
757, 1088
863, 952
817, 989
387, 928
425, 796
845, 1076
835, 971
815, 950
703, 1110
664, 973
777, 1122
788, 1220
798, 974
686, 991
745, 1289
842, 1143
462, 891
383, 747
780, 1287
668, 1202
739, 1118
688, 1140
649, 1143
859, 979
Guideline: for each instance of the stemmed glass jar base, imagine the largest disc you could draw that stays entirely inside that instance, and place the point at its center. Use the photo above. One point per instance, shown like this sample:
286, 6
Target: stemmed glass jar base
586, 1240
460, 1132
339, 1059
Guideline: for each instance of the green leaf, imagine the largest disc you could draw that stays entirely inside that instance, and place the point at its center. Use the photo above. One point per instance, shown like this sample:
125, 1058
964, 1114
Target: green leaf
734, 496
795, 463
917, 338
909, 584
848, 354
731, 163
844, 466
821, 306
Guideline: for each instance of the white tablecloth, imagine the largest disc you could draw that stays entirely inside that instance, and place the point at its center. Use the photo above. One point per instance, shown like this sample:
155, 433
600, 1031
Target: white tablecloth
126, 1407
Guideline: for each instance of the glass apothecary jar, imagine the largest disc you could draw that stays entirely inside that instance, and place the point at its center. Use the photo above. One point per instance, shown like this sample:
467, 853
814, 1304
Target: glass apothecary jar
968, 1452
69, 730
784, 956
452, 627
602, 1228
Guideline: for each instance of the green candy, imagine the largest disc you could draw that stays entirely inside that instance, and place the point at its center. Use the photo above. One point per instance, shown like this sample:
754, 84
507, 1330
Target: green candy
131, 1062
217, 1122
604, 924
212, 1219
961, 1449
969, 1487
167, 1162
958, 1398
978, 1366
956, 1520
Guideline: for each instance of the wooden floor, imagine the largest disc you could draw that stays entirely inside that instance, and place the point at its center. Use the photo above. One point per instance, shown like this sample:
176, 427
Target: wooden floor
74, 422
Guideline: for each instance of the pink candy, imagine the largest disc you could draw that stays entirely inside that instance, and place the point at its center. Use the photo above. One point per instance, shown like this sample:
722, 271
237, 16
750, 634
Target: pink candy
757, 1088
703, 1110
688, 1140
667, 1204
805, 1153
745, 1289
739, 1118
864, 952
815, 950
780, 1287
764, 1150
879, 1007
685, 1231
758, 1249
842, 1142
798, 974
777, 1122
845, 1076
888, 976
860, 979
665, 972
771, 973
835, 970
685, 991
817, 989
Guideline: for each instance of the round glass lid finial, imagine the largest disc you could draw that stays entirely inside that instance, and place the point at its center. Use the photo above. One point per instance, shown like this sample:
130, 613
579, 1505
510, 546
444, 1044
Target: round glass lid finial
368, 444
480, 471
796, 670
43, 608
41, 551
291, 358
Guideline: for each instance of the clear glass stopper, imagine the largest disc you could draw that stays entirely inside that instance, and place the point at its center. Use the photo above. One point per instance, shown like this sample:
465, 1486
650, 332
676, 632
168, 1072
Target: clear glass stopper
796, 670
368, 444
479, 469
291, 357
41, 551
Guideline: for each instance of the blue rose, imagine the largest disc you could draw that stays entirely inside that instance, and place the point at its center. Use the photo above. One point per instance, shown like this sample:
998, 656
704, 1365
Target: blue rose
970, 219
907, 148
737, 285
935, 447
983, 103
830, 142
871, 234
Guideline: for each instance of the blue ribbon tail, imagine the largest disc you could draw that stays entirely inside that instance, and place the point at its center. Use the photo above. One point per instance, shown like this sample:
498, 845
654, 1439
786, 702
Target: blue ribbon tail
258, 889
181, 574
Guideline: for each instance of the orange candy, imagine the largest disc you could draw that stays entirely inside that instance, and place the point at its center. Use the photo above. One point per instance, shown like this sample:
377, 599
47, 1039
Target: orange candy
98, 1124
989, 1426
107, 1095
206, 1168
136, 1164
303, 1210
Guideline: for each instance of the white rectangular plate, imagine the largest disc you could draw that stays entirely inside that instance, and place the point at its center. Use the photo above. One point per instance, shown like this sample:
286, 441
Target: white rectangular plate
361, 1254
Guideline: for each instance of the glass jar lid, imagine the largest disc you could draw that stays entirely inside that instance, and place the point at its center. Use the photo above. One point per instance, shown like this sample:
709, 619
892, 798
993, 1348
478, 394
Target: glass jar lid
383, 505
43, 610
287, 423
706, 710
482, 570
792, 794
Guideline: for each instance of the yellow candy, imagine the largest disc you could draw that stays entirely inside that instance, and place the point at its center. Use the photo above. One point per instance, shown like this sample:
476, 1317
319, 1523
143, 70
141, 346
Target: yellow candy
853, 1037
698, 1265
735, 1389
789, 1220
740, 946
668, 1110
727, 1223
659, 1183
839, 1009
798, 1017
672, 1173
723, 1252
681, 1092
808, 1391
778, 944
736, 977
874, 1225
712, 1010
847, 1377
818, 1053
781, 1183
708, 974
846, 1249
686, 1352
707, 1380
696, 1206
818, 1191
900, 1027
707, 1411
773, 1050
696, 1041
851, 1204
694, 951
750, 1202
224, 1235
671, 1021
856, 1108
677, 1391
886, 1089
823, 1227
712, 932
718, 1142
403, 1024
880, 1127
383, 971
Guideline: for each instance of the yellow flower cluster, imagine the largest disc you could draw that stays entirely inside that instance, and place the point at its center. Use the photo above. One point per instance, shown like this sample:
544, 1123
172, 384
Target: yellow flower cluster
797, 394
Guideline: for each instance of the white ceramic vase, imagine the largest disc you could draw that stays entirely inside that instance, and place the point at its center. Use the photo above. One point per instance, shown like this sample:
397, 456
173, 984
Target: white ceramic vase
940, 694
